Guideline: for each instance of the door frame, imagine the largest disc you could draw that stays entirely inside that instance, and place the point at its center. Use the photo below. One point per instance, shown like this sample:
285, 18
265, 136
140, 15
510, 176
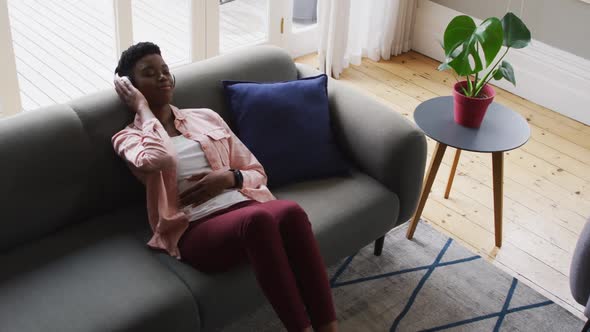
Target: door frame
280, 28
300, 42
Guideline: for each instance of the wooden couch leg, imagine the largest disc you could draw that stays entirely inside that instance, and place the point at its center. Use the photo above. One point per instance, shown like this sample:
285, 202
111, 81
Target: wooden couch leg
379, 245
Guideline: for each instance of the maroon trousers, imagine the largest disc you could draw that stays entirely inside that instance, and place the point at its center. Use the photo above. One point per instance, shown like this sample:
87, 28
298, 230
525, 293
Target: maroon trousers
276, 239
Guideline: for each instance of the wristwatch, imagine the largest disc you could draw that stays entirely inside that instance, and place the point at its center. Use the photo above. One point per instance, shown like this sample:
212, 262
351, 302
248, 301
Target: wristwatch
239, 179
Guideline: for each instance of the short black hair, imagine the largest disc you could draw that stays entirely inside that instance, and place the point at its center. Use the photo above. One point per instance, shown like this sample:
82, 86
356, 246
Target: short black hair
130, 57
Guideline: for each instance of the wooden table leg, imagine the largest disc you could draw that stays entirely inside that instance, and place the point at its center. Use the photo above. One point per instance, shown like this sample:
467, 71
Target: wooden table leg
452, 174
498, 170
437, 156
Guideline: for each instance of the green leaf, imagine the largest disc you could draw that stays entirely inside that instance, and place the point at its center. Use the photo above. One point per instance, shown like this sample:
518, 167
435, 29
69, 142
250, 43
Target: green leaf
456, 52
490, 36
459, 29
445, 65
507, 72
497, 75
462, 62
462, 39
516, 34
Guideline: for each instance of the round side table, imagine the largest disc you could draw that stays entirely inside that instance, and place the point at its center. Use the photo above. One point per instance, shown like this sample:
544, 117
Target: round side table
501, 130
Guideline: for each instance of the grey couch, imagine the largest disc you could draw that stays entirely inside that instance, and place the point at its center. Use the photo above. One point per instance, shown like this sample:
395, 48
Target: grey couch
74, 225
580, 273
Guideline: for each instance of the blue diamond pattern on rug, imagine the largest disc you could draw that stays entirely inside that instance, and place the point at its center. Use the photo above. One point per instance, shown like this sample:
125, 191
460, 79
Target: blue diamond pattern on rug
430, 268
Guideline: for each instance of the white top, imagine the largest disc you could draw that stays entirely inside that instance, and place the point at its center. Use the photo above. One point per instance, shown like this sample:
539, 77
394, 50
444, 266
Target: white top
191, 161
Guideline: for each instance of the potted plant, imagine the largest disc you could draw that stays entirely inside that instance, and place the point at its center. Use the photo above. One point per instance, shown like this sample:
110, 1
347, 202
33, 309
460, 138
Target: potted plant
464, 44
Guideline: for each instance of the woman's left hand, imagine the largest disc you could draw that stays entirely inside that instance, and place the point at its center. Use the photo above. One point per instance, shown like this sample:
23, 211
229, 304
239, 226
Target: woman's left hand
206, 186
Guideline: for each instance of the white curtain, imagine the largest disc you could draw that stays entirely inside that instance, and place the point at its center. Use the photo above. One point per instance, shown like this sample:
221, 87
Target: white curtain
352, 29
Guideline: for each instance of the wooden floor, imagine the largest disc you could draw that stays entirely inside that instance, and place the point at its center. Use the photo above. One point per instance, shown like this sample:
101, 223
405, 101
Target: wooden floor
546, 184
65, 49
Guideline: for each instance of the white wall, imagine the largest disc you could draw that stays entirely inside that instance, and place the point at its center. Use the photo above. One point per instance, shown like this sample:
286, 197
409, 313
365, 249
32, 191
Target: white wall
563, 24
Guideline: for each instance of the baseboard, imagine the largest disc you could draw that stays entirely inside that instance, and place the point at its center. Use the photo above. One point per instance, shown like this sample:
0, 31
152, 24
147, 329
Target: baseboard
545, 75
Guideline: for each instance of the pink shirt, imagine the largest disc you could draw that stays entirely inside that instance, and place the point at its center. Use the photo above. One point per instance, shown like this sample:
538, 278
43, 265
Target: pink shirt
150, 154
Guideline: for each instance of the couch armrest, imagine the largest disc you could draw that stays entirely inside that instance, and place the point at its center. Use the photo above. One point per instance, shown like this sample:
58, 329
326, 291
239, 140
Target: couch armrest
580, 270
381, 142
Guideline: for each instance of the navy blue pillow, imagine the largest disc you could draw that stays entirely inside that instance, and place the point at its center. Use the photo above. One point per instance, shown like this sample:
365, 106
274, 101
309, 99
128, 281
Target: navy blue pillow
286, 125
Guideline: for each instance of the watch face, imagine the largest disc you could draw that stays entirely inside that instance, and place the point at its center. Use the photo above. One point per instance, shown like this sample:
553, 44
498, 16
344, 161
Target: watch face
239, 178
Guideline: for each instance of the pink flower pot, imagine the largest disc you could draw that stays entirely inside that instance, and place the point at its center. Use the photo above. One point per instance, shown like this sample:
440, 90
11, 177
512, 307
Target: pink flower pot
469, 111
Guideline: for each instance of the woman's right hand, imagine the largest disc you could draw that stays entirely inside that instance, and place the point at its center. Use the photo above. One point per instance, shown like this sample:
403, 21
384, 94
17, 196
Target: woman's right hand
130, 95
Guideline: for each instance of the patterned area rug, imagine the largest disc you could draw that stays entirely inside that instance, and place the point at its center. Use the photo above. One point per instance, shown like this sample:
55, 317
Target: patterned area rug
428, 284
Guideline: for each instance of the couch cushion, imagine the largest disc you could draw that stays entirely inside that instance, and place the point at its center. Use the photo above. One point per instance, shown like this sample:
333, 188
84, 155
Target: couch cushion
94, 276
287, 127
45, 169
346, 214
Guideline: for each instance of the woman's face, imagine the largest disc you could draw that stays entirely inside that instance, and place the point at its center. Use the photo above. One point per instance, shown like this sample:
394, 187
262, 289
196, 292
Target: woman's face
153, 79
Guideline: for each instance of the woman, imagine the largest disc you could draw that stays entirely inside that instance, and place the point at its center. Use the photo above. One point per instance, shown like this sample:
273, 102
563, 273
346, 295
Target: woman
207, 199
